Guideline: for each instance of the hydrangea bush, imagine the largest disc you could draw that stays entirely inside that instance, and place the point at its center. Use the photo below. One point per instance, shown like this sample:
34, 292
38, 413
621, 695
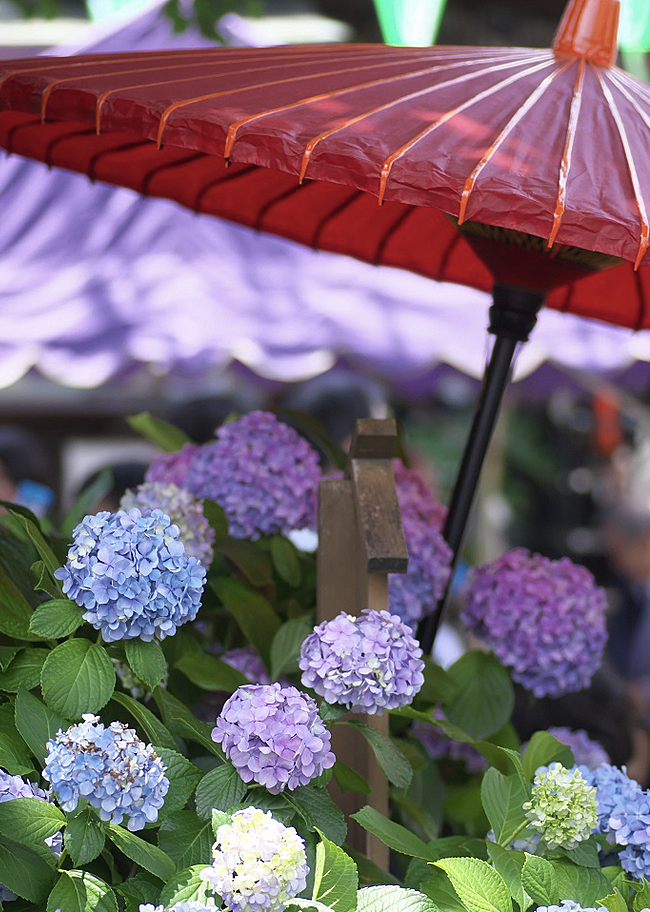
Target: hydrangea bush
203, 775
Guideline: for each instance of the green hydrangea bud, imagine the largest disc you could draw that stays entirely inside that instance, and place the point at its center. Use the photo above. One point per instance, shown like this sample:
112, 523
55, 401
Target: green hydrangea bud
562, 807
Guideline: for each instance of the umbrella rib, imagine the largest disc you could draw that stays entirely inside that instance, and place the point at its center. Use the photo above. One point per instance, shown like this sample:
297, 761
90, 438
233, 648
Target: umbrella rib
644, 241
521, 112
390, 161
337, 93
565, 165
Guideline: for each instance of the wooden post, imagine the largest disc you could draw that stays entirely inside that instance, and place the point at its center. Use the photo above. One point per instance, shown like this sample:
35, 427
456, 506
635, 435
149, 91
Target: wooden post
361, 541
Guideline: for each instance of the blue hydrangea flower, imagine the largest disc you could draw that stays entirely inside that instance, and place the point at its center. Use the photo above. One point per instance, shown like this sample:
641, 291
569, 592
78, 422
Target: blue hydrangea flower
273, 735
586, 752
368, 663
562, 806
263, 474
567, 905
111, 768
191, 905
614, 790
183, 509
172, 468
629, 825
131, 575
259, 865
544, 619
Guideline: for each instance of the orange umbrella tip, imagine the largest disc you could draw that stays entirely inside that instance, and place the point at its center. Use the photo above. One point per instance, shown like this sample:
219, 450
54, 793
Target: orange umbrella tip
589, 29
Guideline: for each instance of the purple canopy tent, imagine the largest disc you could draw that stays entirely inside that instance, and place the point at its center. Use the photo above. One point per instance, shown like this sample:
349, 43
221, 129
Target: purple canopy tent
98, 283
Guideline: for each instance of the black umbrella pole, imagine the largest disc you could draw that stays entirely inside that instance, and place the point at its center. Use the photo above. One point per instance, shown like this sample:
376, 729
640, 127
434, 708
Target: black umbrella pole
512, 316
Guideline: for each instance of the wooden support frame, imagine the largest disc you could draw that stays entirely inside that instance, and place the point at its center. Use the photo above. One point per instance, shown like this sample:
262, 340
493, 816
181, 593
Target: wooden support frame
361, 541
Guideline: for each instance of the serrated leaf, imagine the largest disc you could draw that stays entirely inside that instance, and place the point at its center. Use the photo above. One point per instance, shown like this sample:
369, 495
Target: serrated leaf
25, 872
181, 722
483, 697
56, 618
542, 750
335, 877
254, 613
285, 648
503, 798
7, 655
24, 671
479, 887
587, 883
78, 677
84, 835
210, 673
390, 898
164, 435
30, 821
392, 834
349, 780
139, 890
37, 723
220, 818
15, 611
539, 880
439, 889
614, 902
148, 856
319, 812
285, 560
153, 729
585, 854
250, 560
221, 788
80, 891
185, 886
641, 898
509, 864
146, 660
391, 760
30, 524
14, 756
186, 840
183, 777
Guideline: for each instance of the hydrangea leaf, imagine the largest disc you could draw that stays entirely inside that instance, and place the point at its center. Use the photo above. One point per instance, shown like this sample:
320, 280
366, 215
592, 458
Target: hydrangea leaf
614, 902
542, 750
183, 723
335, 877
391, 898
641, 898
285, 560
216, 516
479, 887
221, 788
585, 854
30, 524
285, 648
16, 611
210, 673
319, 812
14, 756
509, 864
391, 760
439, 889
590, 884
438, 684
56, 619
25, 670
30, 821
139, 889
163, 434
187, 840
36, 722
253, 613
80, 891
370, 874
392, 834
183, 776
27, 873
148, 856
7, 654
78, 677
153, 729
349, 780
253, 563
147, 661
503, 798
539, 880
484, 698
84, 835
185, 886
45, 582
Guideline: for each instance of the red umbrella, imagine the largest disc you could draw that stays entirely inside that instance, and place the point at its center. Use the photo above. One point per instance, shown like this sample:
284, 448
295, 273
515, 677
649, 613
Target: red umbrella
539, 156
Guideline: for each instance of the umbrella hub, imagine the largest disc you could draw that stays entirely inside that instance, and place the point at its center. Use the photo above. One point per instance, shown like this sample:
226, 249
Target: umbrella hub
589, 29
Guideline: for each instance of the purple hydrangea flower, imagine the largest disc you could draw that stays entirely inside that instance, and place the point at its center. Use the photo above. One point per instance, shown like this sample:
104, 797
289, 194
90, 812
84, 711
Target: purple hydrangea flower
263, 474
368, 663
259, 865
172, 468
273, 735
247, 660
110, 767
131, 575
184, 510
586, 751
544, 619
438, 745
415, 497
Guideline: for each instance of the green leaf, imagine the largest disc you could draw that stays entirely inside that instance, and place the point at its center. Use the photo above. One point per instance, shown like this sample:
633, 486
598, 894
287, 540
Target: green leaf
210, 673
56, 619
37, 723
78, 677
509, 864
30, 821
483, 698
152, 728
479, 887
15, 611
542, 750
183, 777
254, 614
86, 502
349, 780
539, 880
614, 902
139, 890
392, 834
161, 433
439, 889
27, 873
221, 788
30, 524
182, 723
80, 891
285, 560
7, 655
249, 559
14, 757
220, 818
285, 648
45, 582
438, 684
641, 898
25, 670
186, 840
587, 883
335, 877
370, 874
147, 661
503, 798
216, 516
319, 812
391, 760
185, 886
84, 835
585, 854
390, 898
148, 856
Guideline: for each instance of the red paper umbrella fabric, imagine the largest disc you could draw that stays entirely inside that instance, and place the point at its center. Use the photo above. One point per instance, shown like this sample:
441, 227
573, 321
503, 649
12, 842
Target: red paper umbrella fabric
549, 146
